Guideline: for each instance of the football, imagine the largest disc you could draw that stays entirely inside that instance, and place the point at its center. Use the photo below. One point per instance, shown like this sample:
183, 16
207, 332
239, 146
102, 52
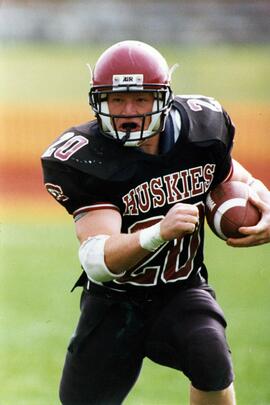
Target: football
228, 208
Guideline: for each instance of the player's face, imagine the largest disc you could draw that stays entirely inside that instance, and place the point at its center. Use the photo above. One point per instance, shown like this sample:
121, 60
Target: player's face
130, 104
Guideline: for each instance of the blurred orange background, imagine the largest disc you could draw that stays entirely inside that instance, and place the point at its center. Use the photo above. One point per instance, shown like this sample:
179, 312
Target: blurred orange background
30, 129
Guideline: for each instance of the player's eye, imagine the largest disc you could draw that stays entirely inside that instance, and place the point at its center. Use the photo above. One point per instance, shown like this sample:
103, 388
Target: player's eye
116, 99
142, 100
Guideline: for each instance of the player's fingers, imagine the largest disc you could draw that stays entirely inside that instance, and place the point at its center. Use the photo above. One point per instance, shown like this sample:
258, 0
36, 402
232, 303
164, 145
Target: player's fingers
256, 235
193, 219
185, 224
189, 228
252, 230
243, 244
187, 209
255, 200
248, 241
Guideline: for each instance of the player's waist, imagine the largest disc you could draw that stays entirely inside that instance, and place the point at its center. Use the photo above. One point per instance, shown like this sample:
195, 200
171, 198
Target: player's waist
143, 294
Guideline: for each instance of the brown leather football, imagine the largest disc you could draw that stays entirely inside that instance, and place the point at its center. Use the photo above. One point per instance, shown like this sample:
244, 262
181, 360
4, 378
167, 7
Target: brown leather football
228, 208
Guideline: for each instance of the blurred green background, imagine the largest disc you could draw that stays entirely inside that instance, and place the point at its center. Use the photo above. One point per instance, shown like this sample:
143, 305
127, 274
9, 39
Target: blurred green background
43, 90
41, 73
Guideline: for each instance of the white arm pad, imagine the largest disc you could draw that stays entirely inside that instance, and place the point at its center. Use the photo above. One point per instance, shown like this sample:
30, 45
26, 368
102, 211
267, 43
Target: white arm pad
91, 255
150, 238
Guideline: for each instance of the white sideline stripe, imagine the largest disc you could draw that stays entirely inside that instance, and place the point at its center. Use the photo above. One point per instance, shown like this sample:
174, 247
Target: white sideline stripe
234, 202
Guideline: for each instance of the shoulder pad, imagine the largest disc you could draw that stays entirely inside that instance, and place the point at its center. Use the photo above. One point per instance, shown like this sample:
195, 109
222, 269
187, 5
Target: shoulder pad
85, 149
206, 119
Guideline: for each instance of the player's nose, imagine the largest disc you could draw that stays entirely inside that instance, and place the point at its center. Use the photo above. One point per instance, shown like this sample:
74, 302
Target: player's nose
129, 108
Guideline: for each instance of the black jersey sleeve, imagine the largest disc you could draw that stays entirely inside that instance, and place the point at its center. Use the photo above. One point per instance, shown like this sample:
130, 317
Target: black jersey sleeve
223, 152
67, 186
71, 188
210, 128
77, 171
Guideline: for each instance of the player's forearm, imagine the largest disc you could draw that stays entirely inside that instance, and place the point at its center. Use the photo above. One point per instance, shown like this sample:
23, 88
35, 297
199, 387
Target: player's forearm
241, 174
108, 257
123, 252
261, 190
107, 253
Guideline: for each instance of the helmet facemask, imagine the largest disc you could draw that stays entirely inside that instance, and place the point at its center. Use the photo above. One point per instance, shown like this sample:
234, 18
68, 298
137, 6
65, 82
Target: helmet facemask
98, 98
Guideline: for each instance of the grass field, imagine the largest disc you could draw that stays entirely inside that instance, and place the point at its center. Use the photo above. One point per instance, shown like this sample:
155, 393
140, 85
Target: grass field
38, 315
38, 250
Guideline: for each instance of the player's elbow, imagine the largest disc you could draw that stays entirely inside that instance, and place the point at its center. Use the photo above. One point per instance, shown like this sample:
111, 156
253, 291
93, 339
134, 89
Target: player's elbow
91, 255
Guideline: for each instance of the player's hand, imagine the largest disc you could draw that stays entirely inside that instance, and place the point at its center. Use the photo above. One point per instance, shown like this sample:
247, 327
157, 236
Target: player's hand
180, 220
258, 234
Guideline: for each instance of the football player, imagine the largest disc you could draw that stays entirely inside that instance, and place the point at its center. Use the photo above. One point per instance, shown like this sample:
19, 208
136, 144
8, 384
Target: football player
135, 180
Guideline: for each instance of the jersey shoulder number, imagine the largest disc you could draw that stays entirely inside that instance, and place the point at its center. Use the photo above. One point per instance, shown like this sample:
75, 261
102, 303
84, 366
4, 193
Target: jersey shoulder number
207, 119
198, 103
65, 146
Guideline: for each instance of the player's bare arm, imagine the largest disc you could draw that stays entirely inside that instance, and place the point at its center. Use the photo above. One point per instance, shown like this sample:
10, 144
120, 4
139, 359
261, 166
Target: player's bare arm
123, 251
260, 197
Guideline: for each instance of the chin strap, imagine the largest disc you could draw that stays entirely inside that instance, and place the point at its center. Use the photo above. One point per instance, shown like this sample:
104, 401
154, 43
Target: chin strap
126, 137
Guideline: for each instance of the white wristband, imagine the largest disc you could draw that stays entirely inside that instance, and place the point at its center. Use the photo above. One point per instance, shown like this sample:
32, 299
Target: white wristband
150, 238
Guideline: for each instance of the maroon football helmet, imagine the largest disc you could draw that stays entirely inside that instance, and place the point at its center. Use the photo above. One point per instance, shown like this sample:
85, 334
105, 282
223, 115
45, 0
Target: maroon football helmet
131, 66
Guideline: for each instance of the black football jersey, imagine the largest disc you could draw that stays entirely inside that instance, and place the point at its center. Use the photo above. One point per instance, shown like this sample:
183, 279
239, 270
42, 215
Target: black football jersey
84, 170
